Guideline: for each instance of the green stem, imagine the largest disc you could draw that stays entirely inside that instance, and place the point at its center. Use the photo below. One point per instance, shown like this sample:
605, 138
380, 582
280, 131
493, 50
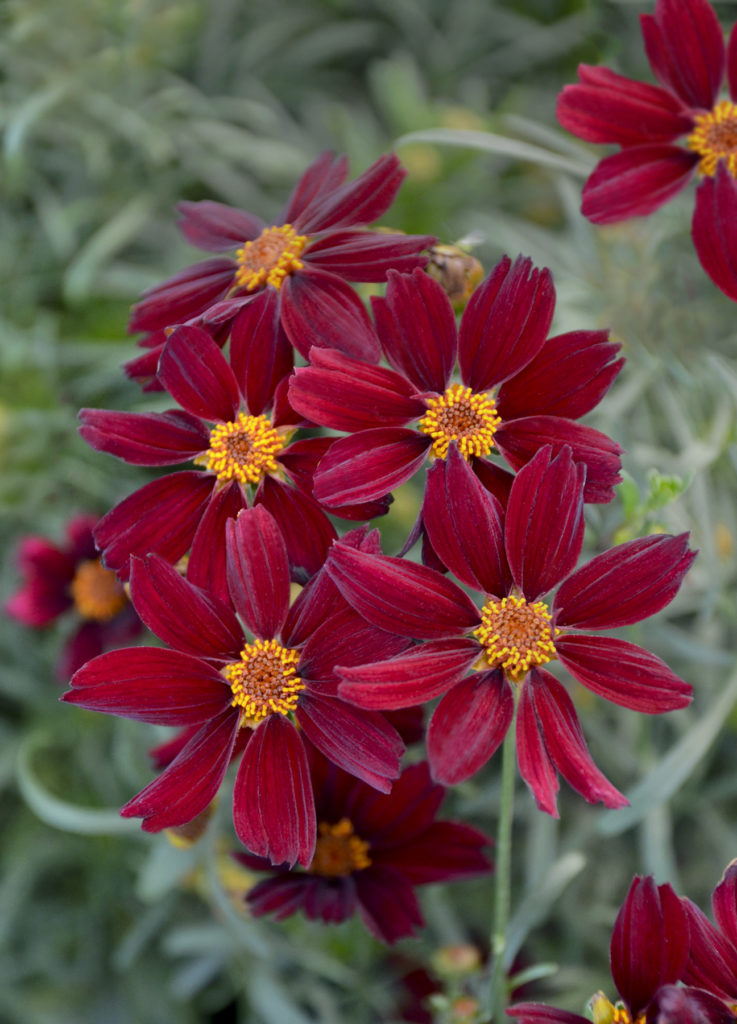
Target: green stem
503, 856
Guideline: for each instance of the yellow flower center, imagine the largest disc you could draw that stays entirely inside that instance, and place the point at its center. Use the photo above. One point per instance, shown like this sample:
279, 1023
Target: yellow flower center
97, 592
339, 851
516, 635
715, 138
459, 415
605, 1012
243, 450
269, 258
265, 681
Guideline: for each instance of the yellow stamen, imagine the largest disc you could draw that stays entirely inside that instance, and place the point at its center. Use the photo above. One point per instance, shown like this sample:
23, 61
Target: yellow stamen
714, 138
516, 635
339, 851
265, 681
97, 592
269, 258
459, 415
243, 450
605, 1012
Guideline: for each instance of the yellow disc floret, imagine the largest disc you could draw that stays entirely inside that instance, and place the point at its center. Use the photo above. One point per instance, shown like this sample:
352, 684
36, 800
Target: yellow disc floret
97, 592
270, 258
265, 681
470, 419
714, 138
339, 851
605, 1012
516, 635
243, 450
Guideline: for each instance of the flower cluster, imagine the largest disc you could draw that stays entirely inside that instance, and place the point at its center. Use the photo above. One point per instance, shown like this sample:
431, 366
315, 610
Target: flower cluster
304, 655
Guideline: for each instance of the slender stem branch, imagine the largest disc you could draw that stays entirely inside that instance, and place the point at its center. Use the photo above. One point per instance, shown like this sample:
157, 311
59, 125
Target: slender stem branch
503, 857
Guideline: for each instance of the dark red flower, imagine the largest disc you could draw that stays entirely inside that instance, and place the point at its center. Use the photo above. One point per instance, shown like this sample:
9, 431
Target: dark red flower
513, 560
65, 577
216, 678
712, 964
287, 279
543, 387
240, 449
372, 850
648, 953
685, 47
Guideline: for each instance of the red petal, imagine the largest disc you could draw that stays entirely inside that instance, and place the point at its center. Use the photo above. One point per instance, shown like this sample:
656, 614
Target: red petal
724, 903
544, 524
360, 742
565, 743
391, 820
206, 565
732, 62
368, 465
685, 47
162, 516
388, 905
150, 684
344, 638
535, 764
306, 529
468, 725
321, 309
186, 294
607, 107
505, 323
568, 377
623, 673
538, 1013
636, 182
260, 352
518, 440
181, 614
258, 571
357, 202
273, 805
417, 328
401, 597
145, 438
445, 851
464, 524
322, 177
192, 779
625, 584
408, 679
196, 374
712, 960
343, 393
650, 943
216, 227
367, 255
714, 229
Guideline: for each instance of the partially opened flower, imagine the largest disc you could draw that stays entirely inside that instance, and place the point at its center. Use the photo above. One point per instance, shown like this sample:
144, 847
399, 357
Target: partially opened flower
288, 277
371, 852
223, 680
513, 560
517, 390
61, 578
648, 953
685, 47
243, 453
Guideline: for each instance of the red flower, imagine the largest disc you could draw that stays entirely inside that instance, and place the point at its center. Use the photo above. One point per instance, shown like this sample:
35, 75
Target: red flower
239, 448
685, 47
543, 387
59, 578
288, 278
648, 954
712, 964
371, 852
513, 561
215, 677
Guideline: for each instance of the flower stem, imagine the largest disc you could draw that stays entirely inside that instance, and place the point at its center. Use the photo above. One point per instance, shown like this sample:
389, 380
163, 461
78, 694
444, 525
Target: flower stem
502, 900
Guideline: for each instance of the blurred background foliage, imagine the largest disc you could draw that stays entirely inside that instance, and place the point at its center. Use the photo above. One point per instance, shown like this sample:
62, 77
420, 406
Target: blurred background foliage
110, 113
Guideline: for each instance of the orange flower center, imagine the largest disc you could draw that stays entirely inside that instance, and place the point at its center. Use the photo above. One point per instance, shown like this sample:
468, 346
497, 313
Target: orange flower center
605, 1012
459, 415
97, 592
269, 258
516, 635
243, 450
339, 851
714, 138
265, 681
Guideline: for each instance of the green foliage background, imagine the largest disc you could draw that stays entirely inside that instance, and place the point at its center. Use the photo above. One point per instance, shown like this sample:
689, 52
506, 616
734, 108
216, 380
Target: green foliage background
110, 113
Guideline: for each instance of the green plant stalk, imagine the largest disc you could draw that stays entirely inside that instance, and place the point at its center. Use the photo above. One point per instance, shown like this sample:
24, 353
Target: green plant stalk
502, 888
